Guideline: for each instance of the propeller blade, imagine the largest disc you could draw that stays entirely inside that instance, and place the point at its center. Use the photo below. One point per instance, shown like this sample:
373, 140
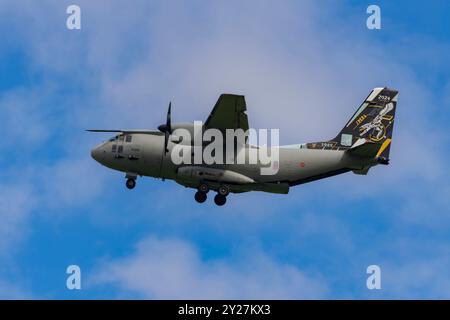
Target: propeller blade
167, 128
168, 125
151, 132
166, 141
169, 118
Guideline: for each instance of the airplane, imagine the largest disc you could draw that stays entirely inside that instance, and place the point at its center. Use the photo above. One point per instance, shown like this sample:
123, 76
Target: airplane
364, 142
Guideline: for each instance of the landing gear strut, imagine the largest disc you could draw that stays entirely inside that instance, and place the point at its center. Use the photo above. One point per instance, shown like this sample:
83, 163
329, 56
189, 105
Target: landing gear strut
131, 183
200, 195
224, 191
203, 187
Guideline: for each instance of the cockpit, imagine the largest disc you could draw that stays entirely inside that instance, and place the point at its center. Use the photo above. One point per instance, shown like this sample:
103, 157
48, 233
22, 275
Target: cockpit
119, 146
122, 137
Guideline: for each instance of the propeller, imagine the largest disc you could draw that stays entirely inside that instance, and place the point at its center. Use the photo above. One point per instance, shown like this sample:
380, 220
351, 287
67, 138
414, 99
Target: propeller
167, 128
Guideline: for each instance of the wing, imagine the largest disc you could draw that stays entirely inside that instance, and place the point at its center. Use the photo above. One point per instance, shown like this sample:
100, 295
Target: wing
228, 113
151, 132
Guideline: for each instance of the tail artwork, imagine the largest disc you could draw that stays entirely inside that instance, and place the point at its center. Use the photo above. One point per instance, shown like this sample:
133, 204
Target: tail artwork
369, 130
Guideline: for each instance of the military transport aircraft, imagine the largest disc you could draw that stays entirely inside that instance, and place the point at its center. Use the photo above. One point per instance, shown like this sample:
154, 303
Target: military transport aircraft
362, 143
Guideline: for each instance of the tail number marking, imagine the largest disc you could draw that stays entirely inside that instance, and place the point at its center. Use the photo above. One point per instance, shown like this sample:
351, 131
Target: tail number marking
384, 98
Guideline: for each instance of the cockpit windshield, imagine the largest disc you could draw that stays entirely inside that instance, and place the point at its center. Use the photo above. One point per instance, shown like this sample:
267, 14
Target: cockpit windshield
118, 137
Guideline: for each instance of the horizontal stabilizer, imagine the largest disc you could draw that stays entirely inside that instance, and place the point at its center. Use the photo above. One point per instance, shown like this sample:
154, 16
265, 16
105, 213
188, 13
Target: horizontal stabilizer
362, 171
365, 149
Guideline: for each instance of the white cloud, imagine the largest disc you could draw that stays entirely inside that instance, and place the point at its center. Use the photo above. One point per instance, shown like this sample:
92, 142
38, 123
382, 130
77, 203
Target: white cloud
23, 121
174, 269
9, 291
16, 202
70, 183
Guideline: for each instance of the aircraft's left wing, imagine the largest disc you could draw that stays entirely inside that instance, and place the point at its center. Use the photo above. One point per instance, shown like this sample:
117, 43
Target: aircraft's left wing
125, 131
228, 113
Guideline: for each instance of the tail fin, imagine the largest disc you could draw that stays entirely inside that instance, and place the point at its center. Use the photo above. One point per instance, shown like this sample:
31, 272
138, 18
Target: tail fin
373, 122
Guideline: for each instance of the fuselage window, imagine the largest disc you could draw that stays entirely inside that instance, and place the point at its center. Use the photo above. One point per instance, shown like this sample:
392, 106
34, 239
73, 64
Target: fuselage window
120, 149
113, 148
128, 138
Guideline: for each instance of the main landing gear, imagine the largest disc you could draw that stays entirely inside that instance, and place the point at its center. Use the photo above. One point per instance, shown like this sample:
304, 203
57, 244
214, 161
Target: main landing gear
220, 199
200, 195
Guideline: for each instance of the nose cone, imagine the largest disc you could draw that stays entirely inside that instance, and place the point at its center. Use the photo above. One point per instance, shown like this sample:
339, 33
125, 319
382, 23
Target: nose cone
98, 153
162, 128
95, 154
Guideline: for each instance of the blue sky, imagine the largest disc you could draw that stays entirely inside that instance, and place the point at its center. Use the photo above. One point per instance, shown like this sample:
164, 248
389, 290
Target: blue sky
303, 66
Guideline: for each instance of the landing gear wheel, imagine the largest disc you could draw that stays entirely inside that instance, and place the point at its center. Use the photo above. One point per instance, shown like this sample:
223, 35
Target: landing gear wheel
200, 197
131, 183
220, 199
203, 188
224, 190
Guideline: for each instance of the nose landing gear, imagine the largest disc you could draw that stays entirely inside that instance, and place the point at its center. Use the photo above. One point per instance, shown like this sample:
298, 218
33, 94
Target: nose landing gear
131, 183
131, 180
